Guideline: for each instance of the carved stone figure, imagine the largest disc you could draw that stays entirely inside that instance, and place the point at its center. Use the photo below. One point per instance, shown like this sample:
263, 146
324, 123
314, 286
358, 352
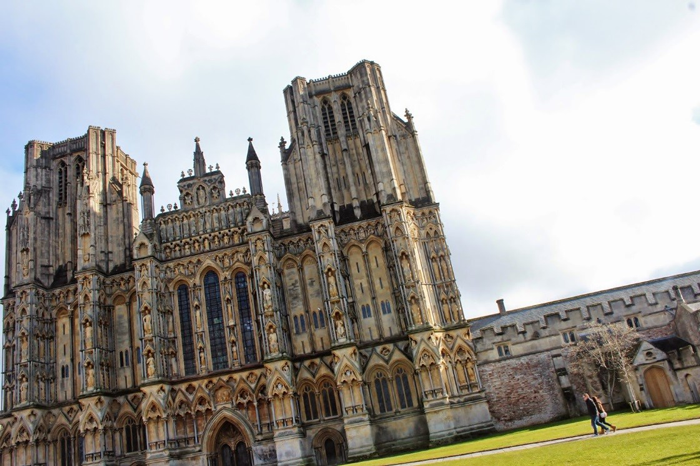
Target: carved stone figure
267, 297
272, 338
332, 286
23, 390
340, 329
150, 366
406, 268
90, 379
88, 334
147, 324
198, 318
415, 312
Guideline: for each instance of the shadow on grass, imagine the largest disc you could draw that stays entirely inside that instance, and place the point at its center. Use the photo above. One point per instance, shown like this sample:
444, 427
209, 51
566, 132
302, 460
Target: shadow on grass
691, 458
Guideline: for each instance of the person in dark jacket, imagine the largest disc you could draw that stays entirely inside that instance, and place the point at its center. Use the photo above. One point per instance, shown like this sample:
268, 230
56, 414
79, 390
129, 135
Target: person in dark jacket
593, 413
602, 415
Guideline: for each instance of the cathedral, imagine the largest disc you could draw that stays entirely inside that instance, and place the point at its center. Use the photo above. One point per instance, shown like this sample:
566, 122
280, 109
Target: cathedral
219, 331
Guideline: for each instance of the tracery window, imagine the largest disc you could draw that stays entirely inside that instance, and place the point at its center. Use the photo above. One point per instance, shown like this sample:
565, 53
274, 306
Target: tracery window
215, 322
65, 445
328, 119
62, 182
381, 389
188, 352
79, 168
134, 436
308, 397
403, 388
386, 307
330, 407
348, 114
245, 317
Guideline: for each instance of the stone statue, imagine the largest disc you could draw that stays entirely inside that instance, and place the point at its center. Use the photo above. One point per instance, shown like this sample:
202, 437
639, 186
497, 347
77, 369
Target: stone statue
90, 378
24, 348
234, 349
147, 324
406, 268
202, 361
150, 366
415, 311
332, 286
272, 338
267, 297
88, 334
198, 318
23, 391
340, 329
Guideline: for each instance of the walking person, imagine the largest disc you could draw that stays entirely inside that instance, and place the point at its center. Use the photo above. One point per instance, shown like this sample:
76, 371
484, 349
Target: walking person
602, 415
593, 413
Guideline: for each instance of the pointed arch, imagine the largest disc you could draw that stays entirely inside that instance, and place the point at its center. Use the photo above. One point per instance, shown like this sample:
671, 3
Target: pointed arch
348, 114
215, 321
329, 124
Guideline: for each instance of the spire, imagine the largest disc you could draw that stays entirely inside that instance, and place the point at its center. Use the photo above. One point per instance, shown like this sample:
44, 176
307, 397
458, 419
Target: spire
146, 179
200, 166
147, 190
252, 164
252, 156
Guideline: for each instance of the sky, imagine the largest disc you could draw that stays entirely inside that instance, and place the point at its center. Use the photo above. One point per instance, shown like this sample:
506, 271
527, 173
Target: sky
560, 136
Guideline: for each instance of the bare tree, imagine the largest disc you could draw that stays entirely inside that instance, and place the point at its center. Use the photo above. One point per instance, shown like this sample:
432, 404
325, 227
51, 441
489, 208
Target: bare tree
606, 349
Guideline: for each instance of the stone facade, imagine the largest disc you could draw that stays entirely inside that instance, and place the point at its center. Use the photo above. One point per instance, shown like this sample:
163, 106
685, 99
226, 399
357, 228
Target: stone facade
217, 332
522, 352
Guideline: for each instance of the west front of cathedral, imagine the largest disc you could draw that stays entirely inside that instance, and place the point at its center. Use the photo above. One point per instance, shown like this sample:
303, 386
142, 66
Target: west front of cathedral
220, 332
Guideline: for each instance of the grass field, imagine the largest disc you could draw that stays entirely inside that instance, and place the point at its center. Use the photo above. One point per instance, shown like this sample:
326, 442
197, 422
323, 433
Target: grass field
671, 446
556, 430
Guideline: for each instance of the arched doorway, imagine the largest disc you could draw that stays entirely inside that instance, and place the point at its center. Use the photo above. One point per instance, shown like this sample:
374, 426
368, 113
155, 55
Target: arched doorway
693, 388
658, 388
231, 447
329, 447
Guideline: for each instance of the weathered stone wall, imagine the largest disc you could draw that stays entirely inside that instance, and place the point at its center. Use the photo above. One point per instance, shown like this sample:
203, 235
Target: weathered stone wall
522, 391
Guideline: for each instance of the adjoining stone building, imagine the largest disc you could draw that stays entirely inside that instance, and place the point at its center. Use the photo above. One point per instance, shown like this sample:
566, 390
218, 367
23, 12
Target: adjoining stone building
522, 352
218, 332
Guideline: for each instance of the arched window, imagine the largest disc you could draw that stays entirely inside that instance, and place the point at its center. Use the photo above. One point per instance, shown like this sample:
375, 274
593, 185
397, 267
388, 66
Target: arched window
62, 181
302, 322
330, 408
328, 119
134, 436
215, 321
188, 352
315, 317
65, 445
348, 114
403, 388
366, 311
321, 319
126, 358
79, 168
308, 398
381, 388
296, 325
121, 359
386, 307
245, 317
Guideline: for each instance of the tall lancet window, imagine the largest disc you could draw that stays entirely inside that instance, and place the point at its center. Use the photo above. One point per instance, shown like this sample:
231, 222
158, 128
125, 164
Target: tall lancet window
79, 168
245, 317
183, 302
328, 119
215, 321
62, 182
348, 114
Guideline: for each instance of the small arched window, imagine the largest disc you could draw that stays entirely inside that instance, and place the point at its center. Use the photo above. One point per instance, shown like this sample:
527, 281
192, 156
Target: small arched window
348, 114
321, 319
330, 408
308, 398
302, 322
315, 317
65, 443
328, 119
381, 389
134, 436
403, 388
296, 325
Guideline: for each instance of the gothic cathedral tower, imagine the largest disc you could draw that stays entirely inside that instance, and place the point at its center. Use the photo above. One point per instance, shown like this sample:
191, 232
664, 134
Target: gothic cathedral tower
220, 331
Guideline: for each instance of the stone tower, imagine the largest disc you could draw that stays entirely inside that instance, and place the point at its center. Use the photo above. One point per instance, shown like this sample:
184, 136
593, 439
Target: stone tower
217, 331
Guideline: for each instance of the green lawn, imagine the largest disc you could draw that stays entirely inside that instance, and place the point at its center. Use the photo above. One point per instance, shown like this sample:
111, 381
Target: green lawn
556, 430
674, 445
